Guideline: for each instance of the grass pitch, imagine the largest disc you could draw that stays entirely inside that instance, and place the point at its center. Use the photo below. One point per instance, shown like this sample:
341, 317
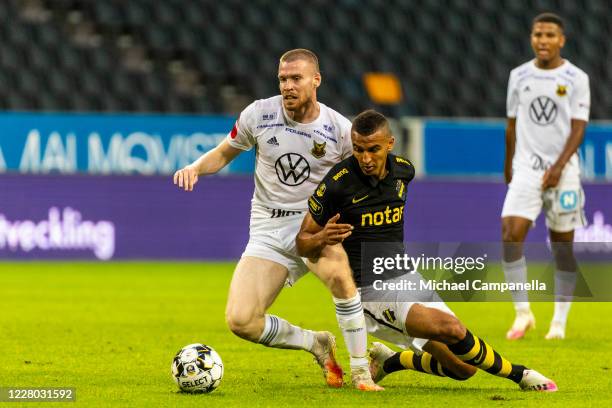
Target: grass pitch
111, 330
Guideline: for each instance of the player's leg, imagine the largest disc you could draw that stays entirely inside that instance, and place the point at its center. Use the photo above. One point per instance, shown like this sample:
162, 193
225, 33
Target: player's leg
333, 269
564, 213
565, 280
522, 206
438, 325
514, 231
255, 285
435, 360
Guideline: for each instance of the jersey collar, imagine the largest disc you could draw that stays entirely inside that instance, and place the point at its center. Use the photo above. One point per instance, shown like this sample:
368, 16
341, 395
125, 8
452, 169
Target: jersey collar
294, 123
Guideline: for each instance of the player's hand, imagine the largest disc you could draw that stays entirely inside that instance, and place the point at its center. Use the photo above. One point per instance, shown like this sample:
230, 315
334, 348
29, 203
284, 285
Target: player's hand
336, 233
551, 177
186, 178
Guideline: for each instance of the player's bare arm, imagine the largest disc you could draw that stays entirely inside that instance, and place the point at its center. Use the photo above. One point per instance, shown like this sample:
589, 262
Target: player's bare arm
551, 176
209, 163
510, 145
312, 237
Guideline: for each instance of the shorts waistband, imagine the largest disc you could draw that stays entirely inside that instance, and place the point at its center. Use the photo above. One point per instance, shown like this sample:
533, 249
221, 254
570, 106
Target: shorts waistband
279, 213
261, 212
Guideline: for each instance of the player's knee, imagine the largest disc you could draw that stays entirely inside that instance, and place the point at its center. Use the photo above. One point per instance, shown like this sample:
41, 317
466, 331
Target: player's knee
342, 286
564, 256
243, 325
450, 329
510, 234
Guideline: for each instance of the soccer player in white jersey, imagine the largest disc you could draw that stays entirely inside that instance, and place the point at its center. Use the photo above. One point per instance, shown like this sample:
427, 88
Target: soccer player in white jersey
297, 140
548, 109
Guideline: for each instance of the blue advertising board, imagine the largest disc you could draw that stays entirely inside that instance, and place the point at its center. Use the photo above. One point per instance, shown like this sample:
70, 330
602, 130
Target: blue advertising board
475, 148
146, 144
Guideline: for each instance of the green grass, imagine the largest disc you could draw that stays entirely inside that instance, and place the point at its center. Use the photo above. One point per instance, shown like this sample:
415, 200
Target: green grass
111, 330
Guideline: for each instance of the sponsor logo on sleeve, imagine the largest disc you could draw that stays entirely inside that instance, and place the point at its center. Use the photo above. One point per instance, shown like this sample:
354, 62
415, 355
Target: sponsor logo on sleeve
315, 206
339, 174
402, 160
400, 188
321, 190
234, 131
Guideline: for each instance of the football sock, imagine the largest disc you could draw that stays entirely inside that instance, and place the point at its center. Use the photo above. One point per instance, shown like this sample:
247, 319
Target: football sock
279, 333
351, 320
425, 363
565, 283
516, 272
474, 351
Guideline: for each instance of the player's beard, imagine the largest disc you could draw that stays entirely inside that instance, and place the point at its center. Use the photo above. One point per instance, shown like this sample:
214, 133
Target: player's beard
291, 104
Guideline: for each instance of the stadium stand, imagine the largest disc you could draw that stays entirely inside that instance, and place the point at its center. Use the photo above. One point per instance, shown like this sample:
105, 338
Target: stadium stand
214, 57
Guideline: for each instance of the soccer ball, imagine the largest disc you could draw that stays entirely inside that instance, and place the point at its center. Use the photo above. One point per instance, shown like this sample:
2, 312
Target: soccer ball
197, 368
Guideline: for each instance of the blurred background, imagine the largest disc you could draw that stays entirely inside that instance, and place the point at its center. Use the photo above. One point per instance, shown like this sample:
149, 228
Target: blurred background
103, 100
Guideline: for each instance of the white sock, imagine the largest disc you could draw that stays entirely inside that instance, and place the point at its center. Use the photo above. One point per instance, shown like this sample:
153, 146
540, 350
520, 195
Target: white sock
565, 284
516, 272
279, 333
351, 320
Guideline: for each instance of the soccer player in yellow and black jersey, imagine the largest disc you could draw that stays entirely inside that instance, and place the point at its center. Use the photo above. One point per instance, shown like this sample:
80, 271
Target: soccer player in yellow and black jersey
361, 200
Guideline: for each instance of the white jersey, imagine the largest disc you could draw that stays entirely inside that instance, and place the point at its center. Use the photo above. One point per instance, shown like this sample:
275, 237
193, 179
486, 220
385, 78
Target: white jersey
544, 101
291, 158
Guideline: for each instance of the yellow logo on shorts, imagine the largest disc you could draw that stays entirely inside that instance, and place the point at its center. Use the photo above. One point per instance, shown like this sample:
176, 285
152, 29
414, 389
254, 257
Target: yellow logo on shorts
389, 315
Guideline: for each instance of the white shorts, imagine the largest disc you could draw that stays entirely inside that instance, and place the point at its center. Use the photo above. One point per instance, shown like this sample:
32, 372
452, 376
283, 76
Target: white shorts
563, 205
385, 318
274, 239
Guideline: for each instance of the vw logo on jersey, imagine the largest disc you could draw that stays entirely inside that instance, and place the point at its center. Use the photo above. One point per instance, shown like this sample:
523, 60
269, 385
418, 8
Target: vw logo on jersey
292, 169
543, 110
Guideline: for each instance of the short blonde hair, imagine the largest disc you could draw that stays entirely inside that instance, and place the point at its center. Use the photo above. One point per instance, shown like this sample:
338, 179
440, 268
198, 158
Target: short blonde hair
303, 54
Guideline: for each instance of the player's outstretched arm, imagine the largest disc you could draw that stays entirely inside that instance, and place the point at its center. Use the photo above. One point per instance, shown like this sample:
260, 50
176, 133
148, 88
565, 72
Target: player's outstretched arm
551, 176
209, 163
312, 237
510, 145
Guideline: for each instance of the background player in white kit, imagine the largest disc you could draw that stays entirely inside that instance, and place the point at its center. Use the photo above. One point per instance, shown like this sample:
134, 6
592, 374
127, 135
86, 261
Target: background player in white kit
548, 109
297, 140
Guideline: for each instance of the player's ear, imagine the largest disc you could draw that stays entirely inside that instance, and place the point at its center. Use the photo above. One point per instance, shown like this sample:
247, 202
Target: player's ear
562, 40
391, 143
317, 80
